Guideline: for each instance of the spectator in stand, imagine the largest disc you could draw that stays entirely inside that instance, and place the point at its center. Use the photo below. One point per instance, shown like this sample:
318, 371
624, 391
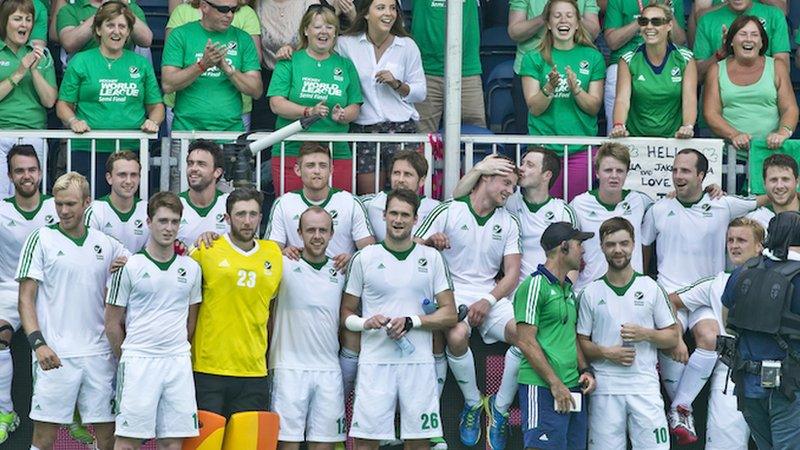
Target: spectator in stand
563, 87
27, 82
656, 83
245, 19
701, 7
428, 30
748, 95
392, 80
713, 26
316, 81
622, 34
75, 25
38, 36
108, 88
210, 64
526, 26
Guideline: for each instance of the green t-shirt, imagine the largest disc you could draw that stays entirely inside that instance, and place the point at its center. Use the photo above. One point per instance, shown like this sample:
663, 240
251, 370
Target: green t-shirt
563, 117
534, 8
656, 104
540, 300
76, 11
109, 94
622, 12
39, 31
306, 81
211, 102
708, 38
21, 108
246, 19
428, 30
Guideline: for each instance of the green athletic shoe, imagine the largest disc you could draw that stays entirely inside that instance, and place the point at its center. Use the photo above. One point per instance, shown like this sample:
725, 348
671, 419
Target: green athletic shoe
8, 423
79, 433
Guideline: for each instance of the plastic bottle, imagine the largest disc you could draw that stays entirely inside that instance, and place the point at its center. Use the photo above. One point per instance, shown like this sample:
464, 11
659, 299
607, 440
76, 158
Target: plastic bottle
405, 346
428, 306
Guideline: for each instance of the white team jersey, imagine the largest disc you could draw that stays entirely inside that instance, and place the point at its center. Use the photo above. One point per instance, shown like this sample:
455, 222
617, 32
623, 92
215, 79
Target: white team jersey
196, 220
156, 296
592, 213
306, 321
706, 292
129, 228
477, 244
350, 222
690, 239
394, 285
376, 206
15, 226
72, 275
762, 215
602, 309
534, 219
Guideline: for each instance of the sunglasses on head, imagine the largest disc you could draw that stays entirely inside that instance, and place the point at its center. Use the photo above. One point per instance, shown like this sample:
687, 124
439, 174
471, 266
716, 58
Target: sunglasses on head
655, 21
223, 9
319, 7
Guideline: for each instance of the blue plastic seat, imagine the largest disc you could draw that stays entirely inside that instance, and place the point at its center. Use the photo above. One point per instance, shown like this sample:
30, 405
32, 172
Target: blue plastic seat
498, 99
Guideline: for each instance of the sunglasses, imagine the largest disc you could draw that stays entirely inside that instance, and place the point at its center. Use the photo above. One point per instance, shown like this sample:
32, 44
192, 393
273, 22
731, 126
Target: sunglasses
223, 9
655, 21
319, 7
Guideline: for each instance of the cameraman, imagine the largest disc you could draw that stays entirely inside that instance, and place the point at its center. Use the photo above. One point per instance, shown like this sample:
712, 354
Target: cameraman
764, 301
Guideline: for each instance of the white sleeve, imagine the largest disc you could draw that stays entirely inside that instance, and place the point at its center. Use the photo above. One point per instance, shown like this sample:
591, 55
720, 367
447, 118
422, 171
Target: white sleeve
415, 75
276, 228
354, 283
739, 206
513, 239
90, 218
360, 227
697, 294
441, 274
585, 314
571, 216
662, 311
118, 249
120, 288
31, 259
649, 227
196, 292
436, 222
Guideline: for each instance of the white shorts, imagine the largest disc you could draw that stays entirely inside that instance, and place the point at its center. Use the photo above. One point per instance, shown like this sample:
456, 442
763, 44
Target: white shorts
379, 389
310, 404
690, 319
642, 416
726, 428
493, 328
87, 381
9, 303
155, 397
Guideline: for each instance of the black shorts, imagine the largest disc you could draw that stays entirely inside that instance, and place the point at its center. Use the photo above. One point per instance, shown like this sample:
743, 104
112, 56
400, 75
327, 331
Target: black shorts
227, 395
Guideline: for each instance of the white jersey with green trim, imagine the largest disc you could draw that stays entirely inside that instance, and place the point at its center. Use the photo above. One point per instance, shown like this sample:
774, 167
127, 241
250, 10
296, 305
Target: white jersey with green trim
306, 317
156, 296
395, 284
762, 215
15, 226
376, 206
477, 244
196, 221
350, 222
690, 238
534, 219
71, 275
602, 309
129, 228
592, 212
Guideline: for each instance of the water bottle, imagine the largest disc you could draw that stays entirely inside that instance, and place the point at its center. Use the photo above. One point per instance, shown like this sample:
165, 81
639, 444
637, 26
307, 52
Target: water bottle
405, 346
428, 306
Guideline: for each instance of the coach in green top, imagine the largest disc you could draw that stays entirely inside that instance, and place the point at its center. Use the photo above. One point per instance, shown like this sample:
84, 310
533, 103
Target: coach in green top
109, 88
656, 83
554, 366
76, 32
210, 64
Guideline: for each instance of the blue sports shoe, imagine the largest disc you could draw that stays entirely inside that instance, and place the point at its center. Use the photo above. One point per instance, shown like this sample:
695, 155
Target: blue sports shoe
496, 426
469, 424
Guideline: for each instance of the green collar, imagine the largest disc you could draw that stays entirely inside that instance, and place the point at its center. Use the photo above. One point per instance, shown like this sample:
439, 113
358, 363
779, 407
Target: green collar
620, 291
608, 206
480, 219
161, 265
202, 212
316, 266
401, 256
308, 202
78, 241
123, 216
690, 204
535, 207
28, 215
4, 46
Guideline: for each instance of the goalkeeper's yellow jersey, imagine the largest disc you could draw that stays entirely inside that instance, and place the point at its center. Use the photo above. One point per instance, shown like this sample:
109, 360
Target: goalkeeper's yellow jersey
238, 286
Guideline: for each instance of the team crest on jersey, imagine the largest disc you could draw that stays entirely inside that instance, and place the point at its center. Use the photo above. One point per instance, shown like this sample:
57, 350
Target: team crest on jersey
626, 208
337, 74
638, 298
267, 268
334, 216
584, 67
98, 252
137, 227
181, 275
706, 210
332, 273
549, 216
422, 265
134, 71
676, 75
496, 231
49, 219
220, 217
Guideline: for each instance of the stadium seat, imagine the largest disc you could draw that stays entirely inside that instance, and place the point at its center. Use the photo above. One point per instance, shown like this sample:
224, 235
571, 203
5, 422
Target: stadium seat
794, 17
406, 6
158, 24
480, 151
495, 13
153, 6
496, 47
499, 103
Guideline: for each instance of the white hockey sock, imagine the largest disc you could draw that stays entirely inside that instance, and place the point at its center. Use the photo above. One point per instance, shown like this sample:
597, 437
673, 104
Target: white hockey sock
698, 371
348, 360
440, 364
6, 374
671, 373
463, 368
508, 384
34, 447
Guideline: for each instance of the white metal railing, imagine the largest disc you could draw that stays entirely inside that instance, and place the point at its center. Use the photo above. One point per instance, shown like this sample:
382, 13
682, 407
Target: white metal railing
116, 135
